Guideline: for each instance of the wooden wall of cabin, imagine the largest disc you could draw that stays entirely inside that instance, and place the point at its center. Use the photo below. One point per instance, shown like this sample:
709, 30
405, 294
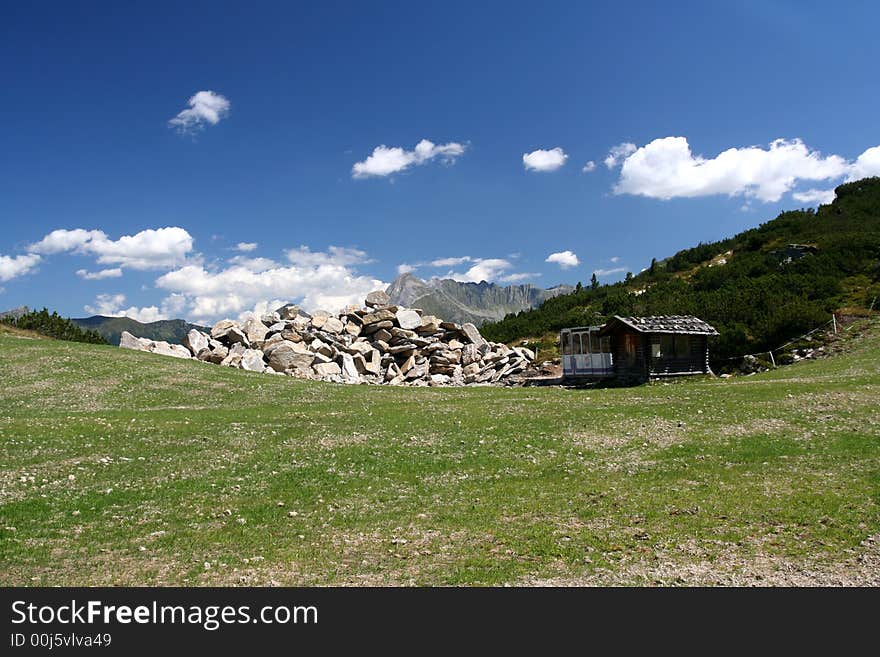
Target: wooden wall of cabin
695, 359
630, 349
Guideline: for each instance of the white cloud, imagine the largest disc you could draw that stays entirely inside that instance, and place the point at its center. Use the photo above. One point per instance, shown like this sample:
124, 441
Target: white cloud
385, 161
619, 153
245, 247
15, 266
65, 240
813, 196
609, 272
516, 278
205, 108
589, 167
866, 165
335, 255
314, 279
565, 259
254, 264
450, 262
615, 259
161, 248
108, 305
666, 168
544, 160
404, 268
116, 272
484, 269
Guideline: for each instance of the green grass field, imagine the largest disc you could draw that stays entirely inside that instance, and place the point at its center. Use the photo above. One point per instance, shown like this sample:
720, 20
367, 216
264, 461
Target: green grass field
125, 468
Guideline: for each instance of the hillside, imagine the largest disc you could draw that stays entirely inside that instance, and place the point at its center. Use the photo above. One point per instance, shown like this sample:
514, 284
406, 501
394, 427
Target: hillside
755, 289
168, 330
460, 302
127, 468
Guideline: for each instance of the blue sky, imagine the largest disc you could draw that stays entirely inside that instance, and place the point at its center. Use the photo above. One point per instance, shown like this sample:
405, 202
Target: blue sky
351, 141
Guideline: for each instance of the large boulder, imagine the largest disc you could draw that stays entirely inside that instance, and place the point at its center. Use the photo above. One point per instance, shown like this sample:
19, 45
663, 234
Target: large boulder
252, 360
290, 356
378, 316
327, 369
288, 311
254, 330
195, 341
470, 353
349, 369
221, 328
429, 324
377, 298
319, 318
471, 333
408, 319
165, 349
334, 325
128, 341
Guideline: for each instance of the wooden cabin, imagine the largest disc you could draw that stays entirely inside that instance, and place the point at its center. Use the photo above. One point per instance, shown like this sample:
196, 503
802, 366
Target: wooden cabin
666, 345
634, 349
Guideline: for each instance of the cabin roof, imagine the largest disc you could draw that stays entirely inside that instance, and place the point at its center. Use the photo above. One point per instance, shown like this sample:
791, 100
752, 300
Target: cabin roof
678, 324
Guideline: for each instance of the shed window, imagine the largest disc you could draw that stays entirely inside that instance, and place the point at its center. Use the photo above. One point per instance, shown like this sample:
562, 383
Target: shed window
566, 343
655, 350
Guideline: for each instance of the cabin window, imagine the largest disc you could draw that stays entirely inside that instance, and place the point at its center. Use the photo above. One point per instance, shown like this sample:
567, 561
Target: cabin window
566, 343
674, 346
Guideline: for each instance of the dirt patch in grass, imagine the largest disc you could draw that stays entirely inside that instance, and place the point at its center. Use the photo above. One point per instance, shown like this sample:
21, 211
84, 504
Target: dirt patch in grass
727, 564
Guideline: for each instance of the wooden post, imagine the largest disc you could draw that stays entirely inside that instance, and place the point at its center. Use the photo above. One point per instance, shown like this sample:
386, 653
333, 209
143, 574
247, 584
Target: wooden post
772, 360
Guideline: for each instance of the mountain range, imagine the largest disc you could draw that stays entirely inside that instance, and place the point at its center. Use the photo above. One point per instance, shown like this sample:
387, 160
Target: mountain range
455, 301
169, 330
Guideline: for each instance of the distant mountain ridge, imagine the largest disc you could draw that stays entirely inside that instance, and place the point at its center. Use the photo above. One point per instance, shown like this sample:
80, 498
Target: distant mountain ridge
169, 330
455, 301
15, 313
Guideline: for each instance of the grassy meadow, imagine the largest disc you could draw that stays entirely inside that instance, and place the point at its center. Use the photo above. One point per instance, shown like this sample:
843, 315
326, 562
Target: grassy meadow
126, 468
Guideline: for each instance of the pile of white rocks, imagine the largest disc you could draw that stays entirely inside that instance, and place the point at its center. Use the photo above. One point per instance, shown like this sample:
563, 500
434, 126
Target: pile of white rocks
379, 344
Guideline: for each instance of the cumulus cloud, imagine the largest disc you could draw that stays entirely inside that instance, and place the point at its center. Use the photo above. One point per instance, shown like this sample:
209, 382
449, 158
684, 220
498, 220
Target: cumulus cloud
65, 240
589, 167
614, 259
866, 165
205, 108
544, 160
313, 279
405, 268
245, 247
115, 272
385, 160
254, 264
565, 259
483, 269
619, 153
15, 266
109, 305
811, 196
161, 248
666, 168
